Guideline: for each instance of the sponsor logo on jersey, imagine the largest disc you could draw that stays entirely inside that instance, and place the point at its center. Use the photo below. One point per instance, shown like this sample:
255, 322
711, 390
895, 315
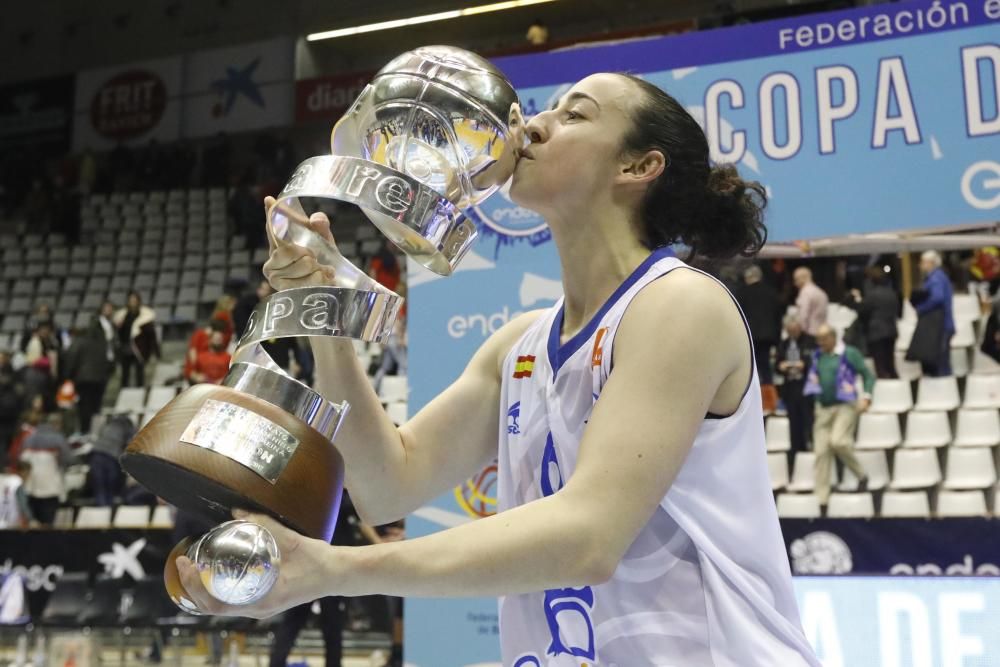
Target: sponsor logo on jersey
597, 358
513, 415
525, 364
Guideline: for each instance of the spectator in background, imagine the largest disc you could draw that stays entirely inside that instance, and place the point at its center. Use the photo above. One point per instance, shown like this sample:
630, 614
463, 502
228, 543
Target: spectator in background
14, 509
138, 342
223, 312
11, 405
30, 419
89, 368
48, 453
538, 33
794, 357
933, 303
244, 209
106, 318
812, 302
384, 267
106, 474
201, 341
763, 309
41, 358
832, 379
878, 309
41, 315
210, 365
247, 302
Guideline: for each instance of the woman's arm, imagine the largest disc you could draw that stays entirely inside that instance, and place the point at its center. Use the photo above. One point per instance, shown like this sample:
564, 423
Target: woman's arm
449, 439
632, 449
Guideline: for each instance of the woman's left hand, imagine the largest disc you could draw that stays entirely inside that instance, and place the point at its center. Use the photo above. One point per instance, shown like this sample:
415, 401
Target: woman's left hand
301, 574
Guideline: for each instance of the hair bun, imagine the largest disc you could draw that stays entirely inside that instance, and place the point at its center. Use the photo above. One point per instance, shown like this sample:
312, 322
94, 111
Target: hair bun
723, 179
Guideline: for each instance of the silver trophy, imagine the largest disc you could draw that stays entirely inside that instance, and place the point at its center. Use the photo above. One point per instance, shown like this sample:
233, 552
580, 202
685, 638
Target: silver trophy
432, 136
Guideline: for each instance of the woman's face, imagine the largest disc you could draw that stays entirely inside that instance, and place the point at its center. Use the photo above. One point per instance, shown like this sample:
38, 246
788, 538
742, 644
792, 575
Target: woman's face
576, 147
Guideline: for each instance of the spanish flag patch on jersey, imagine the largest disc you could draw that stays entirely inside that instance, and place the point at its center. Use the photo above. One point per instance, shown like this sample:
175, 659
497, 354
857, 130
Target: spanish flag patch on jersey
525, 364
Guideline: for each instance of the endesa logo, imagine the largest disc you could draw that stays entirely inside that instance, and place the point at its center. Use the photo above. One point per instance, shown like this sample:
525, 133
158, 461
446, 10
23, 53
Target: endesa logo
505, 218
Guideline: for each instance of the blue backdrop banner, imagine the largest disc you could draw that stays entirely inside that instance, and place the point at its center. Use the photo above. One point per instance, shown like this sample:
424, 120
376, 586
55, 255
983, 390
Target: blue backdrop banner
951, 547
882, 118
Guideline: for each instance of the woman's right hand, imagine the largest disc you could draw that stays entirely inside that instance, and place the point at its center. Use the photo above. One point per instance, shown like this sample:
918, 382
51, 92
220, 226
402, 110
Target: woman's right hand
290, 265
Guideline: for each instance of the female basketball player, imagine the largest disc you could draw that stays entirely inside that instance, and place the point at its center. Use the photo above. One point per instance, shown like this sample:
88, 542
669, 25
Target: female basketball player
636, 523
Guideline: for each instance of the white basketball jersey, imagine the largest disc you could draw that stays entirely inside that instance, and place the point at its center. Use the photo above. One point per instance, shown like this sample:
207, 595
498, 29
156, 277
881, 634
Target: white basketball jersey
707, 580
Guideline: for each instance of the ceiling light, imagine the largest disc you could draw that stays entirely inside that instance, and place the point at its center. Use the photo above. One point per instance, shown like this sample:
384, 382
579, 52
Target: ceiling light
426, 18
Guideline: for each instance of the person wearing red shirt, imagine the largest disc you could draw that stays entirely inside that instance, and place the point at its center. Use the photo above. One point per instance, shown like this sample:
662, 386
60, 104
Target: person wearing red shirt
200, 341
210, 365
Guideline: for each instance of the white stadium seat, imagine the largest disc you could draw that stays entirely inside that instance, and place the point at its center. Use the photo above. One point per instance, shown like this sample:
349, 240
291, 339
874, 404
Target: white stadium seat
798, 506
130, 399
777, 466
851, 506
970, 468
915, 469
961, 503
907, 370
977, 428
927, 429
965, 334
878, 431
960, 365
876, 467
982, 391
904, 333
162, 517
131, 516
94, 517
804, 473
965, 308
159, 397
937, 393
777, 434
892, 396
905, 504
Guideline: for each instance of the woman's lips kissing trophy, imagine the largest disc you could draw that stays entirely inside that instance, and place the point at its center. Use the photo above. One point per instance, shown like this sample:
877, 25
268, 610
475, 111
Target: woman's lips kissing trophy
433, 135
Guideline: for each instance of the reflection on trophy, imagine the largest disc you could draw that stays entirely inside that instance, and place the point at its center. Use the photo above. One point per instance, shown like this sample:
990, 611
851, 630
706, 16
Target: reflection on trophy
432, 136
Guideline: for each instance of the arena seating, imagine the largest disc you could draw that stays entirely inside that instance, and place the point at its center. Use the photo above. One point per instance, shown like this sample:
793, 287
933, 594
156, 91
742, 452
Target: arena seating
936, 456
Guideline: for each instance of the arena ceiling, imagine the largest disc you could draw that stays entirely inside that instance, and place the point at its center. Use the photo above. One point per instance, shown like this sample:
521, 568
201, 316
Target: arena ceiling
47, 37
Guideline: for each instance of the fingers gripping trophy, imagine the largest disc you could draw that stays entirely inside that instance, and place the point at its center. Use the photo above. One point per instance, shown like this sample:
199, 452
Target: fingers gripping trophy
433, 135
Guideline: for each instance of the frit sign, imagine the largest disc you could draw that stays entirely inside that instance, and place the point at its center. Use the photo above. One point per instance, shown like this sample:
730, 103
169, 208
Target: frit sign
128, 105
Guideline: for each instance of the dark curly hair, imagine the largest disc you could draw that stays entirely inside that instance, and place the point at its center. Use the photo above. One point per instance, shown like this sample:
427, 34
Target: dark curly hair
710, 209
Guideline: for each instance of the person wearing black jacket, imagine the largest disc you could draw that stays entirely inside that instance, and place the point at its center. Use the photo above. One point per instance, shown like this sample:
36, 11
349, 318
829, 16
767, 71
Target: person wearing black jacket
878, 309
794, 357
89, 364
763, 309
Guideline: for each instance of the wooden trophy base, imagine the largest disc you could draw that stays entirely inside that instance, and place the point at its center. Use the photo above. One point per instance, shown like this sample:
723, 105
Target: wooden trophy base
305, 492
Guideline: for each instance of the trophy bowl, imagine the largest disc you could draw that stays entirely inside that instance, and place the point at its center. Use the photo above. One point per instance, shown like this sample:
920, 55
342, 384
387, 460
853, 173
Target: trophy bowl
439, 115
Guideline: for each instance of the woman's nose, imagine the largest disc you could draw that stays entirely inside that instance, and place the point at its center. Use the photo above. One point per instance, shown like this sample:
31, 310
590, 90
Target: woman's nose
534, 129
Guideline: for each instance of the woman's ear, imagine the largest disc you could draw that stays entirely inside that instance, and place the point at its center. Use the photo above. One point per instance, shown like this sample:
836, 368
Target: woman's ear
644, 168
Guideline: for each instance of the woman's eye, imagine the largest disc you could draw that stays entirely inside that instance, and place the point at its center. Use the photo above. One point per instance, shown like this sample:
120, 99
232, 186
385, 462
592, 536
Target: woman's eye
572, 115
